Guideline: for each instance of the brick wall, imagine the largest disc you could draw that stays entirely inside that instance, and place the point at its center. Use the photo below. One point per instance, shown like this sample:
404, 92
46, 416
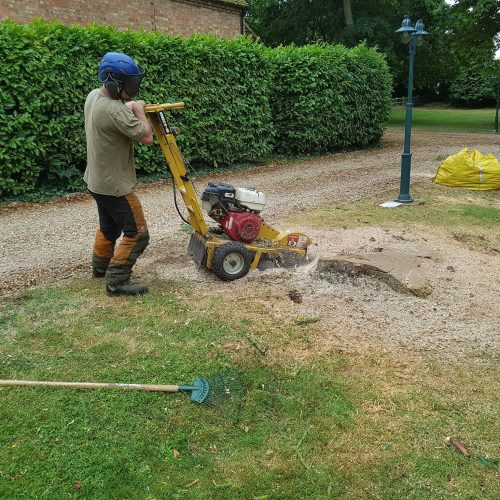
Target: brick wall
175, 17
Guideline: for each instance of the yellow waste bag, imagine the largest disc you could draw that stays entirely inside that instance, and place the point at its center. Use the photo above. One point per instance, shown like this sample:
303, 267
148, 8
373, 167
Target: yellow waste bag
469, 170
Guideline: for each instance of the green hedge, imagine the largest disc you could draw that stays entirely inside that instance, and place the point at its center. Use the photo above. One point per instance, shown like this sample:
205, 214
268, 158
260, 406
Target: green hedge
244, 101
325, 98
47, 70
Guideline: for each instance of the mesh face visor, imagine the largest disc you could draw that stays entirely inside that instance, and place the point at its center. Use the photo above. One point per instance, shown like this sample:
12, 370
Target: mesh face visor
132, 83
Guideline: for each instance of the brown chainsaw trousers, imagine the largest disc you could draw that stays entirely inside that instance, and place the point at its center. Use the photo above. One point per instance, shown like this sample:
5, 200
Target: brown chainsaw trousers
118, 216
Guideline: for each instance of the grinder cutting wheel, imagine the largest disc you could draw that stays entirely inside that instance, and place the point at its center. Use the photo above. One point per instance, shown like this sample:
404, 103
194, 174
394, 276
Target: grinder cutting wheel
241, 240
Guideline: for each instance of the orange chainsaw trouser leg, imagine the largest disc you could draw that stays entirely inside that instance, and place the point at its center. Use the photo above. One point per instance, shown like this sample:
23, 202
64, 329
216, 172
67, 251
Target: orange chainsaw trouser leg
118, 215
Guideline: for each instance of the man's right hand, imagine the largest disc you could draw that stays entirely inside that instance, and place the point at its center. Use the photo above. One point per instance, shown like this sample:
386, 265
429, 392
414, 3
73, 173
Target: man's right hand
137, 107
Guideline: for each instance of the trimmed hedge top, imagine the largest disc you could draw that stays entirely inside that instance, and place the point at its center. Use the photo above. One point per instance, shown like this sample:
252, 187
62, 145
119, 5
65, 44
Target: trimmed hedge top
243, 101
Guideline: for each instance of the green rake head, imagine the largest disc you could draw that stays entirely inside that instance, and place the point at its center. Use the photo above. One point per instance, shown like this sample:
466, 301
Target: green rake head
201, 390
215, 391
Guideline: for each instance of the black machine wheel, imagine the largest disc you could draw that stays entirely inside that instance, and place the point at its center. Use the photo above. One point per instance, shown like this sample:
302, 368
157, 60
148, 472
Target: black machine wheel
231, 261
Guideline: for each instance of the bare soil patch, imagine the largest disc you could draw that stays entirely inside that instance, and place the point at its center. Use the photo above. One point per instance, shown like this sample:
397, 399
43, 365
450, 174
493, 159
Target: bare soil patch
46, 243
459, 318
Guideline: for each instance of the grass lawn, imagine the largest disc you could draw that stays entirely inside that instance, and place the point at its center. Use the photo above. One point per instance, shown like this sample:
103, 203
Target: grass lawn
446, 119
335, 425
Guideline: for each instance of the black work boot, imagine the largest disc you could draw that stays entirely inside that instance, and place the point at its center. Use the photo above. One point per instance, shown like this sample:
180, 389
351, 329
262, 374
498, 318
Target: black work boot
99, 266
98, 273
126, 288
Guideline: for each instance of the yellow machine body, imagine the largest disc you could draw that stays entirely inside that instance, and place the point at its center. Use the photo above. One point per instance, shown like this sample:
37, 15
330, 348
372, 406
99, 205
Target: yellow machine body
270, 242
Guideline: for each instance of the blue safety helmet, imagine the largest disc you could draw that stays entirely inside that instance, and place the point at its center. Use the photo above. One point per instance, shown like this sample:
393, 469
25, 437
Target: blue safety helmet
120, 72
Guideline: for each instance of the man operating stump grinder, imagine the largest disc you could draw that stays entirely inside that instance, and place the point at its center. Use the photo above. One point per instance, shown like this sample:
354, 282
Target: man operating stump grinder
112, 122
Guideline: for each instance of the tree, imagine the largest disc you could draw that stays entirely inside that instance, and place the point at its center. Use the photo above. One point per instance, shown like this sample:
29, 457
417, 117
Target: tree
296, 21
474, 85
348, 13
461, 34
475, 25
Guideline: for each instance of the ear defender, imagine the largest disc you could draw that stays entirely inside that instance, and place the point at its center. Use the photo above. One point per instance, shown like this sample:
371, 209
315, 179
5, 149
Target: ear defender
114, 88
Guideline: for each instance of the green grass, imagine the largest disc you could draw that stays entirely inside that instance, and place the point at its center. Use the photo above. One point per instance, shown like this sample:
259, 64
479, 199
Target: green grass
148, 445
446, 119
327, 425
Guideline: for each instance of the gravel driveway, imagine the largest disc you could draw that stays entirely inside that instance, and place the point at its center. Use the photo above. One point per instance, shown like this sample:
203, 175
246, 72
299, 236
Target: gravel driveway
48, 242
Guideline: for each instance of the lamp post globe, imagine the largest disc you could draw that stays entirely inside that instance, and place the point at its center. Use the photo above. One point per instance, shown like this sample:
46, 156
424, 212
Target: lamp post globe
413, 35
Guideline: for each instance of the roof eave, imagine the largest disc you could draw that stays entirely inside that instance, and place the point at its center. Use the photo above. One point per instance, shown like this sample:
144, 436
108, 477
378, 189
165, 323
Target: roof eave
242, 4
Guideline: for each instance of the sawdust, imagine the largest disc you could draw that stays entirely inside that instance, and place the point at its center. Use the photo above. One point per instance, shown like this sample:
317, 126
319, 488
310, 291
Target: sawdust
460, 318
46, 243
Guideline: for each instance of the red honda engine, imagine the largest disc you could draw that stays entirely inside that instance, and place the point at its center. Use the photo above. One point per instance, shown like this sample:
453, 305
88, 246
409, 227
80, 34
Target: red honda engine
235, 209
241, 226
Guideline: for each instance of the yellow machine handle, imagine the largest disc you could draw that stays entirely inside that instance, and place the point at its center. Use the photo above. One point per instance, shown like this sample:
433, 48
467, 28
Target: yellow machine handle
166, 138
155, 108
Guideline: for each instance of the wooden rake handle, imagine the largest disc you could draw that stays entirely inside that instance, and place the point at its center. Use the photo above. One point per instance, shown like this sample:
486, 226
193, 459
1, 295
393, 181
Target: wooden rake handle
91, 385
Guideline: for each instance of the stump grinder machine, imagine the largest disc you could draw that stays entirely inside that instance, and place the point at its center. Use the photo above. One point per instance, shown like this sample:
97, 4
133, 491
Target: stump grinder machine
240, 240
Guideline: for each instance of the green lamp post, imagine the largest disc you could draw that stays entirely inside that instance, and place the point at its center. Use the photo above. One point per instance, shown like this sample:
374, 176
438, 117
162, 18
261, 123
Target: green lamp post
496, 79
414, 36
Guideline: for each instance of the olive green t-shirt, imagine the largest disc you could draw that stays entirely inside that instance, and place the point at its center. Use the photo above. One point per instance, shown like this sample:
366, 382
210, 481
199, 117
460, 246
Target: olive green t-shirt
110, 128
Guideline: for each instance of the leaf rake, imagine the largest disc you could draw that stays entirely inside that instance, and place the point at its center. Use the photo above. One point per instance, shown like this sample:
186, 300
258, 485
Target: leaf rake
212, 391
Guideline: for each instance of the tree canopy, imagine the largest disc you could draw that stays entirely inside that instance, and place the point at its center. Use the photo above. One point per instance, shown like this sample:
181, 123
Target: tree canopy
464, 34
